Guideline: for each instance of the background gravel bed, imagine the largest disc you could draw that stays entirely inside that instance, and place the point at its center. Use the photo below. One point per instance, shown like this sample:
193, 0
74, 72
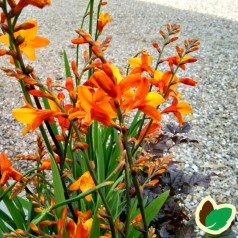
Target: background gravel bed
135, 25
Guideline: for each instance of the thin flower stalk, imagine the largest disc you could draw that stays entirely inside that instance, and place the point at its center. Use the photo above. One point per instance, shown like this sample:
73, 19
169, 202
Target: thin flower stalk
129, 163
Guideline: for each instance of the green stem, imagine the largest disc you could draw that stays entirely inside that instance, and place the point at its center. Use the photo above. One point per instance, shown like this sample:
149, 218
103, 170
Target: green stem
132, 169
90, 32
98, 13
81, 26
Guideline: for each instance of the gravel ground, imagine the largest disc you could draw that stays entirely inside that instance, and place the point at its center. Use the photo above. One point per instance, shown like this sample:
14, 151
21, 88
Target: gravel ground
135, 25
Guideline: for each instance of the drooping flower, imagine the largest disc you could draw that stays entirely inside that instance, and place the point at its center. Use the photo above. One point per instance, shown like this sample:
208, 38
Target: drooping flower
32, 117
7, 171
103, 20
23, 3
36, 3
30, 41
84, 183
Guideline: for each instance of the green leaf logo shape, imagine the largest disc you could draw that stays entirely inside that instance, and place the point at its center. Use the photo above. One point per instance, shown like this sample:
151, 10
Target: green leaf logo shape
212, 218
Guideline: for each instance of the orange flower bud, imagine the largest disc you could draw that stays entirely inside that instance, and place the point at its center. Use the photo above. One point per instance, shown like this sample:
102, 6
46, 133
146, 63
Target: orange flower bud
120, 186
69, 84
171, 40
103, 3
86, 56
49, 83
22, 233
191, 60
78, 41
48, 223
105, 227
86, 36
156, 46
3, 52
168, 26
24, 26
98, 53
152, 183
64, 213
75, 69
38, 210
36, 229
162, 34
3, 18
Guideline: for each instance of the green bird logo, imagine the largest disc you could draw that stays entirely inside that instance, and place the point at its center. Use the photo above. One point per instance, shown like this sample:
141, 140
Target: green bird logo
212, 218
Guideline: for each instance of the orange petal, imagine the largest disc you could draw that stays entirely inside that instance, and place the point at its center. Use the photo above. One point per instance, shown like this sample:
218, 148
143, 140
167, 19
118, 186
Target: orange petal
184, 108
84, 183
152, 112
39, 42
29, 52
5, 163
188, 81
129, 82
102, 116
154, 99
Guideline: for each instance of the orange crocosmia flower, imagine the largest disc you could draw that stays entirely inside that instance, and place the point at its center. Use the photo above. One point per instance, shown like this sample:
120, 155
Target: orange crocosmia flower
32, 117
83, 229
97, 105
7, 171
84, 183
178, 108
36, 3
163, 81
30, 40
141, 64
144, 100
46, 163
23, 3
103, 20
176, 60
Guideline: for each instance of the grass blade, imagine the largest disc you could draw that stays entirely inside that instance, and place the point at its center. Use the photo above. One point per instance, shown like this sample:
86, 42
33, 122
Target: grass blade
66, 65
58, 187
